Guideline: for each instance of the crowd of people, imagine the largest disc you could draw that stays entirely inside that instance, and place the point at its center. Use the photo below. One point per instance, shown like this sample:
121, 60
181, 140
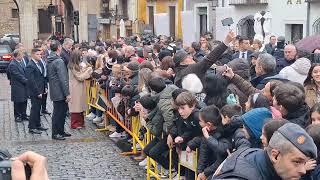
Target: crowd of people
251, 110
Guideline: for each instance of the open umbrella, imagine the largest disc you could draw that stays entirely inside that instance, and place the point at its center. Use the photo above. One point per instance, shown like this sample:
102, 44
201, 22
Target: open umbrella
309, 43
122, 28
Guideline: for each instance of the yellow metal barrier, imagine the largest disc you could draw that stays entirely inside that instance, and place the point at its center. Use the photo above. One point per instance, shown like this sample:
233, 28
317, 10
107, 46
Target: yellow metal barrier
190, 161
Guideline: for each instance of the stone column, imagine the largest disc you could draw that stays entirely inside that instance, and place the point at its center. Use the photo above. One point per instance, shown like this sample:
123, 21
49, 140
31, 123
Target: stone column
28, 23
83, 18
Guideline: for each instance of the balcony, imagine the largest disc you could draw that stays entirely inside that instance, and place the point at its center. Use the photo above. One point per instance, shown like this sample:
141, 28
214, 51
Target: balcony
247, 2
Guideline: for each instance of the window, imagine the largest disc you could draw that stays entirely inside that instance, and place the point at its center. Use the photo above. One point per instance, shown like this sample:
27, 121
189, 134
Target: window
172, 16
14, 13
316, 26
151, 17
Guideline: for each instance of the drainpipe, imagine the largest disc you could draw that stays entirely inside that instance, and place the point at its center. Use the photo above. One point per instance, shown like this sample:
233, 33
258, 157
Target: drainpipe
308, 18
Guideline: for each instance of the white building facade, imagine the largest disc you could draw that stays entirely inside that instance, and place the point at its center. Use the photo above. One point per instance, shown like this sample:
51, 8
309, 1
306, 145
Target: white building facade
289, 17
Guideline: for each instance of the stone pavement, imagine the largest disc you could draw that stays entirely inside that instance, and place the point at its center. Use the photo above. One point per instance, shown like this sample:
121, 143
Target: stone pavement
85, 155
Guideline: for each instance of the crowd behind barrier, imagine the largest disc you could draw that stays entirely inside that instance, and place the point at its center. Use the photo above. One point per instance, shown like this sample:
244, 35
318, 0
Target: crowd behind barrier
213, 110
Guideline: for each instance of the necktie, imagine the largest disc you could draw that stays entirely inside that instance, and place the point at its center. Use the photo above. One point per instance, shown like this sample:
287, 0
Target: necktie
243, 55
39, 67
22, 64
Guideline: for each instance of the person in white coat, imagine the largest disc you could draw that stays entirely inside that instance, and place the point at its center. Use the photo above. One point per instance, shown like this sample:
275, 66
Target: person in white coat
298, 71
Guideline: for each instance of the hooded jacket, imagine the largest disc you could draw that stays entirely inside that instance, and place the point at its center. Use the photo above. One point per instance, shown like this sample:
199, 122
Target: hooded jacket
254, 121
300, 116
298, 71
165, 106
58, 78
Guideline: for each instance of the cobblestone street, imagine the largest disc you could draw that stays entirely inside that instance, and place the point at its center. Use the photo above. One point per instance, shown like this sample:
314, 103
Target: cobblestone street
85, 155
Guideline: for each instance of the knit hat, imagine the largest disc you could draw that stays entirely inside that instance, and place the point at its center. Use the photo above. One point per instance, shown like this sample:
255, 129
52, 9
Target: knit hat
255, 119
179, 57
133, 66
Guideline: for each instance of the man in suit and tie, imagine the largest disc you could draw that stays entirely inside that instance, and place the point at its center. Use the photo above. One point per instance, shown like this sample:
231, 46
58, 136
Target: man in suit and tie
18, 80
44, 67
244, 49
36, 89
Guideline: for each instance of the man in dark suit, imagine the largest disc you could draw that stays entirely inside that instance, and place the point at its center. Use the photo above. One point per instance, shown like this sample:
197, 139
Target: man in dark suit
44, 66
18, 86
66, 50
36, 89
244, 49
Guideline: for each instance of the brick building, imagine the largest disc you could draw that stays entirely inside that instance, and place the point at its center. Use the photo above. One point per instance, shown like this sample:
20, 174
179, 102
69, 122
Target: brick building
9, 21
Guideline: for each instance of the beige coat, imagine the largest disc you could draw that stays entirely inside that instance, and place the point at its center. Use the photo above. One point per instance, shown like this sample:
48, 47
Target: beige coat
311, 95
77, 90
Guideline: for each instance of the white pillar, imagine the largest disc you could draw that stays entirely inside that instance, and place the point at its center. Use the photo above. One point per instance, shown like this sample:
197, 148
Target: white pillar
28, 23
83, 20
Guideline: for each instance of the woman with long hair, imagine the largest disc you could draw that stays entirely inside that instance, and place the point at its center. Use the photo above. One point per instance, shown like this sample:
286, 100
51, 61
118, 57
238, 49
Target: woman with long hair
77, 75
312, 85
144, 76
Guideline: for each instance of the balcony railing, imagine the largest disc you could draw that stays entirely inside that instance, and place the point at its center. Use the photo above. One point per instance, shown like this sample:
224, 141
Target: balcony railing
247, 2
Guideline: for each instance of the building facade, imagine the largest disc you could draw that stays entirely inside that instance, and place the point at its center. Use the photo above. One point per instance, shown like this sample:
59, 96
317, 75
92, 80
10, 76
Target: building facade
163, 17
289, 17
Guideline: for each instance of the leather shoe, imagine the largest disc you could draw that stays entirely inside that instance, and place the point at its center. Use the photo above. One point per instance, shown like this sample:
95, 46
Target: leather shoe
45, 112
66, 134
34, 131
42, 128
58, 137
18, 119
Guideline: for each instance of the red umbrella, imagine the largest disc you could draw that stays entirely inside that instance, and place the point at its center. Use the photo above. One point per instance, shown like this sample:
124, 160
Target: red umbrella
309, 43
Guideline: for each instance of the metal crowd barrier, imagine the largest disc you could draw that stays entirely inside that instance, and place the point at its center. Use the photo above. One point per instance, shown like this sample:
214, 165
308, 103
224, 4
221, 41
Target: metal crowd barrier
131, 126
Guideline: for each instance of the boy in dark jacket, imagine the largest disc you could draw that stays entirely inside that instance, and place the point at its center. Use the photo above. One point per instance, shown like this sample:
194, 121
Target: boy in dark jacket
233, 127
213, 146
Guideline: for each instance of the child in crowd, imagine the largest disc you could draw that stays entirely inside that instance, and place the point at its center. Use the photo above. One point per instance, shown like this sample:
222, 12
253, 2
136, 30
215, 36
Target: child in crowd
313, 165
315, 114
213, 146
269, 128
233, 127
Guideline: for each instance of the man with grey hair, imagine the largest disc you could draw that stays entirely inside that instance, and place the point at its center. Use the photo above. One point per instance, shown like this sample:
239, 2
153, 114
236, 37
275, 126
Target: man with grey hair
289, 149
265, 67
66, 50
18, 82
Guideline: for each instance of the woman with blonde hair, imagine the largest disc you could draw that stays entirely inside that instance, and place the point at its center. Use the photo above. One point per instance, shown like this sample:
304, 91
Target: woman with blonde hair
144, 76
77, 75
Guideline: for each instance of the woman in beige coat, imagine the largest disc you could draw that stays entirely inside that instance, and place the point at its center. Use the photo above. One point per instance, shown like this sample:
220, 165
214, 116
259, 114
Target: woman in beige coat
78, 72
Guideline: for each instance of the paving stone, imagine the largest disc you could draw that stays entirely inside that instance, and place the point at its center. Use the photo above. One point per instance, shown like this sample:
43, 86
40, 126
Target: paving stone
85, 155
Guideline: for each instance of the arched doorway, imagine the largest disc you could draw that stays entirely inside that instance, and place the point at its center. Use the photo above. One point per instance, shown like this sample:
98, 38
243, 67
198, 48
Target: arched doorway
9, 23
246, 27
316, 27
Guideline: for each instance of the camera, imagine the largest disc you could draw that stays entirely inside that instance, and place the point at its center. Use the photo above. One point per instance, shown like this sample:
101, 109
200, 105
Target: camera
5, 166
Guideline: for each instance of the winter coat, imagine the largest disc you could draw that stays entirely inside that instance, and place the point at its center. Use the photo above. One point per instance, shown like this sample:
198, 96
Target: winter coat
201, 67
243, 85
212, 151
260, 81
311, 95
248, 164
269, 49
198, 56
187, 128
165, 106
253, 122
36, 83
65, 56
282, 63
18, 82
298, 71
234, 133
77, 89
299, 116
155, 122
58, 78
